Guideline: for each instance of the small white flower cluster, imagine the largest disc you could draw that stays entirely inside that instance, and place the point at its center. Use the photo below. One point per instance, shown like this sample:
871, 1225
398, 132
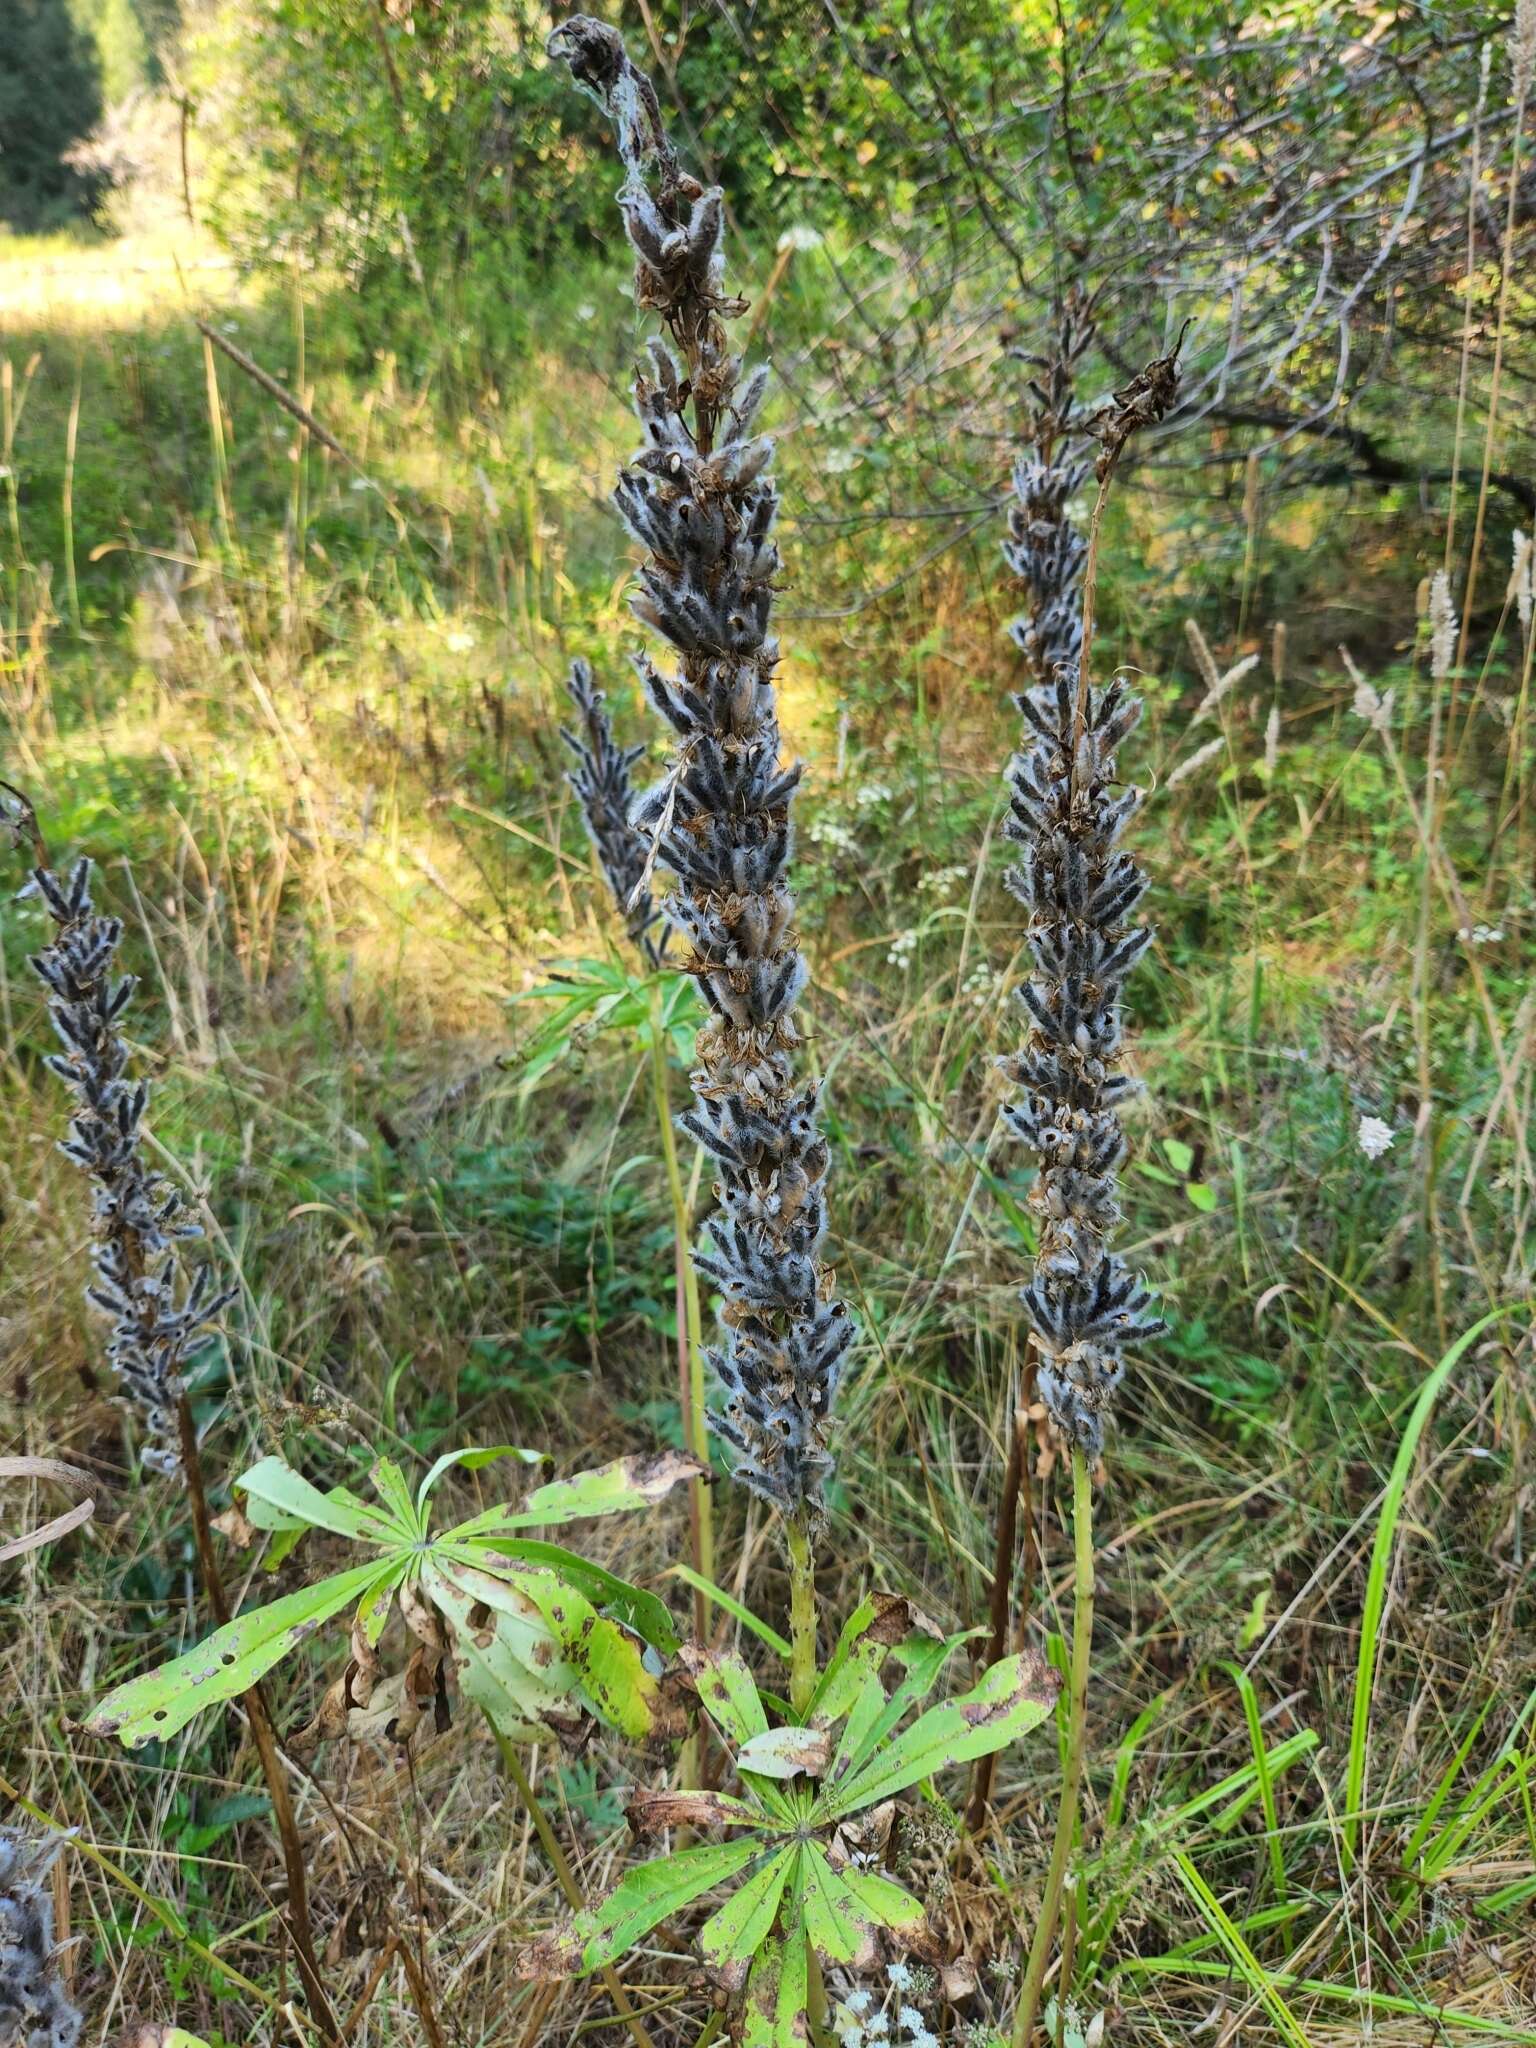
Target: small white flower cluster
1521, 592
940, 881
1481, 934
1374, 1137
860, 2022
1375, 709
868, 794
901, 949
981, 986
833, 834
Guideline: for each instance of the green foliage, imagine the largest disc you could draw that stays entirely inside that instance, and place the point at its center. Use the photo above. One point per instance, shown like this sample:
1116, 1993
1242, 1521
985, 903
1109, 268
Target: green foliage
817, 1808
50, 97
522, 1631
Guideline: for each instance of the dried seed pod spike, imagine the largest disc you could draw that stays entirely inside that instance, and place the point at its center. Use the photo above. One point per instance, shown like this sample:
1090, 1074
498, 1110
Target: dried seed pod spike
699, 497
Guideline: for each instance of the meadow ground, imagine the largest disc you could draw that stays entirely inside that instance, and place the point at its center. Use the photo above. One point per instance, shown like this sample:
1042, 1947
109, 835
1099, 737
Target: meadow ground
302, 707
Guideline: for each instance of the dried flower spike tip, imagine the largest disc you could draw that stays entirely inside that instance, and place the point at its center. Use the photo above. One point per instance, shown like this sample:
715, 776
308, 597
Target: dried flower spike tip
699, 497
601, 780
138, 1214
1080, 888
35, 2011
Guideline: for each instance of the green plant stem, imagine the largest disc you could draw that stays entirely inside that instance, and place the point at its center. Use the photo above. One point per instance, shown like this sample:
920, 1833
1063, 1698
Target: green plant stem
802, 1612
564, 1875
691, 1339
1072, 1778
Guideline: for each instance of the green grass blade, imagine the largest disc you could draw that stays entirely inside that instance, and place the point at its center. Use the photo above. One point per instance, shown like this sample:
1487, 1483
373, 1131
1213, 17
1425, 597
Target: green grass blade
1265, 1780
735, 1608
1244, 1961
1376, 1582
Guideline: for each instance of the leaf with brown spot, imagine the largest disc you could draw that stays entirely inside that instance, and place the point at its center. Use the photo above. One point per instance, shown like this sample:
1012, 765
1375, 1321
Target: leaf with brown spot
786, 1753
1014, 1696
642, 1899
652, 1813
618, 1488
778, 1996
230, 1661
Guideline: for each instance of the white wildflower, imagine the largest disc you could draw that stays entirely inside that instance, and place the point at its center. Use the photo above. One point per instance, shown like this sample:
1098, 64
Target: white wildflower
1521, 592
1442, 626
899, 1976
858, 2002
902, 947
868, 794
800, 238
1197, 761
833, 834
1375, 709
1217, 683
911, 2021
1374, 1137
460, 643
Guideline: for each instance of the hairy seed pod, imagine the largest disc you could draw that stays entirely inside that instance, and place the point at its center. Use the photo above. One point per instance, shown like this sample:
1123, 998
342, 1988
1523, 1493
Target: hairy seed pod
698, 496
1079, 889
139, 1217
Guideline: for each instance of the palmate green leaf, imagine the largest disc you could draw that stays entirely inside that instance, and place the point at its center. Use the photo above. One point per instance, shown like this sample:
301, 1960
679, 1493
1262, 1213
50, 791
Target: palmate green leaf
389, 1483
278, 1498
858, 1731
1013, 1697
728, 1694
835, 1924
650, 1893
621, 1487
231, 1660
882, 1899
609, 1664
632, 1605
778, 1996
472, 1460
554, 1631
925, 1659
744, 1922
523, 1705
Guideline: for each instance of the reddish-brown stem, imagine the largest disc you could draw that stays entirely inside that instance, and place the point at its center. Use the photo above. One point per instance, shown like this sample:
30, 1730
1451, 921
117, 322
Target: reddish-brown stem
263, 1734
1002, 1587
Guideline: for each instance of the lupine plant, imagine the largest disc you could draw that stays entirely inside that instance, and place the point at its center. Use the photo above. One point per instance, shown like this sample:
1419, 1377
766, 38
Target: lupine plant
1080, 889
543, 1641
819, 1788
811, 1828
602, 780
139, 1222
699, 497
140, 1217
